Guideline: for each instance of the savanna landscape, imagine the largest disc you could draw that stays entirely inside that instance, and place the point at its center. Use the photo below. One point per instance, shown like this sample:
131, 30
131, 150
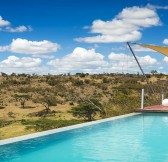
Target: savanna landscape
32, 103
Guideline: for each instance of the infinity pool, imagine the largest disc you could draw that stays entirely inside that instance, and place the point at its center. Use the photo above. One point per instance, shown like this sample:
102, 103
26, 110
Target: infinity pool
137, 138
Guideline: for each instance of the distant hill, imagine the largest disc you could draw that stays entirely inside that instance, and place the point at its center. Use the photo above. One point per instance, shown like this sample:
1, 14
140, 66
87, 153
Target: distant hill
25, 97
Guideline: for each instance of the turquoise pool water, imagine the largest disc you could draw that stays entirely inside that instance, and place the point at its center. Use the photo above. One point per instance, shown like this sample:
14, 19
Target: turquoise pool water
139, 138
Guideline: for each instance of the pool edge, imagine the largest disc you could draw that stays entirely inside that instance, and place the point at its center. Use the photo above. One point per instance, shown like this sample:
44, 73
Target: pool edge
62, 129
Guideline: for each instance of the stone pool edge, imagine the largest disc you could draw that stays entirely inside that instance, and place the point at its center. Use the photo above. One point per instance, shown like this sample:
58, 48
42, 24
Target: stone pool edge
57, 130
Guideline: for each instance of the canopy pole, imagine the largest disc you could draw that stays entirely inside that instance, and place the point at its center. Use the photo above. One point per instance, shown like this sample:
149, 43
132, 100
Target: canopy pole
136, 59
140, 68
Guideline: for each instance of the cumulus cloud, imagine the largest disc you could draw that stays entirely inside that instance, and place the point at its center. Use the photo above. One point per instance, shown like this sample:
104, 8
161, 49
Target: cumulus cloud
83, 60
125, 27
18, 29
138, 48
24, 62
165, 41
80, 59
45, 56
3, 22
119, 48
157, 7
4, 48
23, 65
165, 59
25, 46
8, 28
33, 47
121, 61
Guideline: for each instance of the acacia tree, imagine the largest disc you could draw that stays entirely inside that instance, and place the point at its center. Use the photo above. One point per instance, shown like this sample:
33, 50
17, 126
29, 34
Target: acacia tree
153, 72
47, 101
22, 98
4, 74
85, 110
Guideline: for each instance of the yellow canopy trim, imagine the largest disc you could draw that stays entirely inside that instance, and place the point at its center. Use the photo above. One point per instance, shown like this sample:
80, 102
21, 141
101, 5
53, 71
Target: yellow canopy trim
160, 49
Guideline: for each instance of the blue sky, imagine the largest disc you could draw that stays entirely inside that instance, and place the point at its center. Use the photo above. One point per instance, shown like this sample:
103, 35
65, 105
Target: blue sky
62, 36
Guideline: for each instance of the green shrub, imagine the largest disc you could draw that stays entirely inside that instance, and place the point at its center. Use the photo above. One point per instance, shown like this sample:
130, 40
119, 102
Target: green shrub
85, 110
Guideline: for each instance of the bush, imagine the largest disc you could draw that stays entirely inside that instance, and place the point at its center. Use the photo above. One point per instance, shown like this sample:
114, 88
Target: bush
78, 82
87, 81
106, 80
4, 123
43, 113
82, 75
53, 82
115, 109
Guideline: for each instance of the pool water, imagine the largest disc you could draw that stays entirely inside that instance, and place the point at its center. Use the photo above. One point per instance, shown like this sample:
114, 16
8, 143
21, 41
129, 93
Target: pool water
139, 138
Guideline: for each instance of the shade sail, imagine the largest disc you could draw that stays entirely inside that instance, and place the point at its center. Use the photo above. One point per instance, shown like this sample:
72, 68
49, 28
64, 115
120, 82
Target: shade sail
160, 49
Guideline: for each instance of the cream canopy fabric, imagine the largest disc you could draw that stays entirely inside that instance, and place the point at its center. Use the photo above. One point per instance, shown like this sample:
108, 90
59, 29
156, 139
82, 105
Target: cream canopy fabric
161, 49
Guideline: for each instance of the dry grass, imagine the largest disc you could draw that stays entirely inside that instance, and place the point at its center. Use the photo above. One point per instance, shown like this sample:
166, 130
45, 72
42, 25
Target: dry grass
96, 88
14, 130
17, 129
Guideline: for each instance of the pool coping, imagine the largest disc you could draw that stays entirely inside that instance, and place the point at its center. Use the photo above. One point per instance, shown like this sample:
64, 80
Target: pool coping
58, 130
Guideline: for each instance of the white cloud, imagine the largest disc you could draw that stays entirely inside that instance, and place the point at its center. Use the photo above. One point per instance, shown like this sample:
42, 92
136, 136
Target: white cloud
138, 48
117, 56
83, 60
165, 59
45, 56
8, 28
165, 41
120, 48
125, 27
29, 65
24, 62
18, 29
147, 61
4, 48
111, 38
3, 22
80, 59
157, 7
121, 57
25, 46
120, 62
33, 47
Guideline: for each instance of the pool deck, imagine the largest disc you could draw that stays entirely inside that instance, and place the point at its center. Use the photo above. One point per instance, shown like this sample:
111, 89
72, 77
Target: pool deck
155, 108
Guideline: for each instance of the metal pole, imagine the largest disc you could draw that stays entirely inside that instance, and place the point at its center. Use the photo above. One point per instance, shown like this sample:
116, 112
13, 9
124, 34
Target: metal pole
136, 59
142, 99
162, 95
140, 68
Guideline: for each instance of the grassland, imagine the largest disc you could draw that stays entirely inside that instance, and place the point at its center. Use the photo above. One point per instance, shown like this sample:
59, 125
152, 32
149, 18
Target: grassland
24, 98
